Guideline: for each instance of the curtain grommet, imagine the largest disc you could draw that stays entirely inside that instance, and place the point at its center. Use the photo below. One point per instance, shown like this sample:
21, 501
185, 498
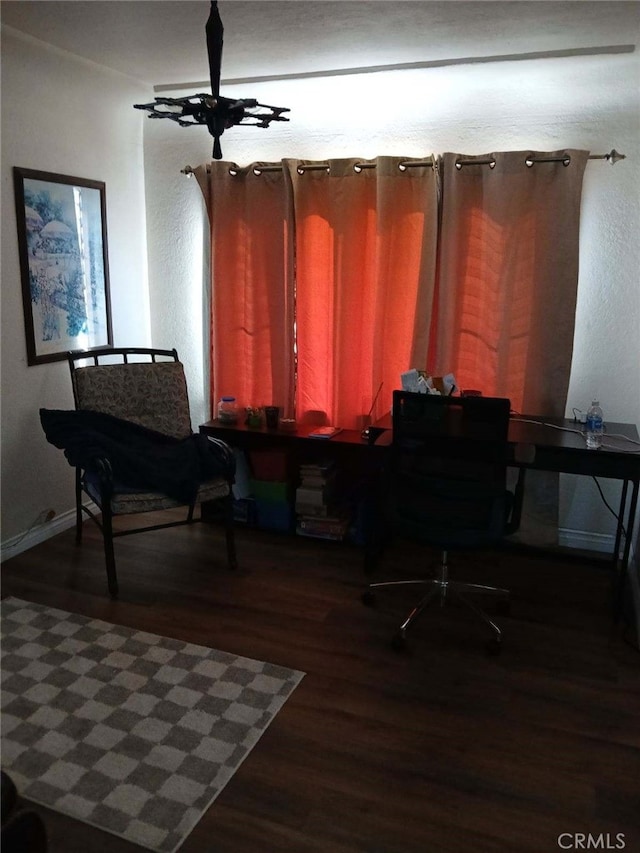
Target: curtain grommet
314, 167
460, 163
531, 161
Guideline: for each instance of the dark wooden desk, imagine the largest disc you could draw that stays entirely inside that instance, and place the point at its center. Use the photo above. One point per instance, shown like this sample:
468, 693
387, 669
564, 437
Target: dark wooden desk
358, 463
346, 446
241, 435
559, 444
535, 443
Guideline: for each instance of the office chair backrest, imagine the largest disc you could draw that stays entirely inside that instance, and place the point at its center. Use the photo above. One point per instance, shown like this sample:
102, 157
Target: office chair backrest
470, 431
448, 477
145, 386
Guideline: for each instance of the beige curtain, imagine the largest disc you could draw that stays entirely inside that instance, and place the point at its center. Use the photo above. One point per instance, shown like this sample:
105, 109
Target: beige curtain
371, 297
509, 275
252, 292
365, 236
507, 290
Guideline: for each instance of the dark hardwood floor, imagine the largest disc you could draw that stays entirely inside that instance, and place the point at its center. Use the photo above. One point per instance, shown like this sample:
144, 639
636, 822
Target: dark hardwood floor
441, 749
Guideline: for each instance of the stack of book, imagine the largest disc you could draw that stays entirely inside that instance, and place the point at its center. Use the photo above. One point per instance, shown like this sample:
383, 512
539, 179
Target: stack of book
318, 513
327, 527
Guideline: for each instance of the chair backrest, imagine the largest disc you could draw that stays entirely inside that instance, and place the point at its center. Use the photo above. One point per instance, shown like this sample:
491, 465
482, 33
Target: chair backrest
145, 386
450, 429
448, 475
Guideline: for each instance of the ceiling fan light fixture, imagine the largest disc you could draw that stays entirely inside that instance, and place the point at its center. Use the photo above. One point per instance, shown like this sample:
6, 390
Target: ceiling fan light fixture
212, 110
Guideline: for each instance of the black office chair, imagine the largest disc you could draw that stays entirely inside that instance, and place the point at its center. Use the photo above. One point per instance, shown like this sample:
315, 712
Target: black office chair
446, 487
133, 448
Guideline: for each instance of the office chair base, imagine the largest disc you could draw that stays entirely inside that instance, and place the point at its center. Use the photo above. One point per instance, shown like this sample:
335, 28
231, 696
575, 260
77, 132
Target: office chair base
443, 591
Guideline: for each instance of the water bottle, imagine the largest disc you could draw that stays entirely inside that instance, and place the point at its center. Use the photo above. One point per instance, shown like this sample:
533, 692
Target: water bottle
594, 426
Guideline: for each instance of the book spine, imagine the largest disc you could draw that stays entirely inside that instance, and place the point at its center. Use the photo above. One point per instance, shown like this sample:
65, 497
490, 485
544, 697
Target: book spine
315, 510
313, 496
319, 525
334, 537
316, 470
312, 480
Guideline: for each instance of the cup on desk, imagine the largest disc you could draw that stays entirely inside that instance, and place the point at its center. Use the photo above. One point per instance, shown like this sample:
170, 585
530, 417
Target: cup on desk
363, 421
271, 416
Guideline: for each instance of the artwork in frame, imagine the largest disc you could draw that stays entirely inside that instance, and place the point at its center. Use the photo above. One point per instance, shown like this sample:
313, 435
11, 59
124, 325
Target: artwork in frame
62, 241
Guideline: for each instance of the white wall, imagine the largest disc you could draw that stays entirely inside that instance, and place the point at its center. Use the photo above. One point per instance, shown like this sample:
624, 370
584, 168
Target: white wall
580, 102
67, 116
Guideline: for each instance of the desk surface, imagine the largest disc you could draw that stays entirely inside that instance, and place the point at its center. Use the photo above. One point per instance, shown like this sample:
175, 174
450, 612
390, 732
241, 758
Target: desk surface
565, 433
549, 444
559, 444
264, 435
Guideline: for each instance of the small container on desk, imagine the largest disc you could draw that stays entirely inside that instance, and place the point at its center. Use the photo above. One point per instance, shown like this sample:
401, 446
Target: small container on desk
227, 410
272, 416
254, 417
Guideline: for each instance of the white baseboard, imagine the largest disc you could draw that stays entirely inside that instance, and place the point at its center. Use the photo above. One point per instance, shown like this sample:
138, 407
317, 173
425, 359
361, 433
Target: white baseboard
17, 544
585, 541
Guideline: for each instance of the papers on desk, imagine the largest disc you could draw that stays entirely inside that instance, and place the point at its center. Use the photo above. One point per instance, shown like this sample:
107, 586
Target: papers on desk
419, 382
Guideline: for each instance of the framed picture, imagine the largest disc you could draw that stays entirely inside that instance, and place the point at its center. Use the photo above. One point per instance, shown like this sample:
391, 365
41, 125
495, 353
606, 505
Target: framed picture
62, 241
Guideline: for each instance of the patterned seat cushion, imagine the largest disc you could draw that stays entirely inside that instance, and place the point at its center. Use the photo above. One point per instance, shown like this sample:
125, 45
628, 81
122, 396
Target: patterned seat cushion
153, 395
125, 501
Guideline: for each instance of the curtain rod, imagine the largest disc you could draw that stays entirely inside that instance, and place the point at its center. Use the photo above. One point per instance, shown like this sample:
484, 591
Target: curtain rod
323, 167
612, 157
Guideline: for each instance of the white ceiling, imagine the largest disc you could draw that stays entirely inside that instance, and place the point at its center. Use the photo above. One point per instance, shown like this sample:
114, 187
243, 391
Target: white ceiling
163, 43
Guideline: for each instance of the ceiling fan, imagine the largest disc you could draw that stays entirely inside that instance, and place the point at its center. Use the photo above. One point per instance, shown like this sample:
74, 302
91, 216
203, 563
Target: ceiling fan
212, 110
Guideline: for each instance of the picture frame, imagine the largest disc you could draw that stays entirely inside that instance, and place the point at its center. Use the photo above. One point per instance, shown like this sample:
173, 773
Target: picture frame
62, 245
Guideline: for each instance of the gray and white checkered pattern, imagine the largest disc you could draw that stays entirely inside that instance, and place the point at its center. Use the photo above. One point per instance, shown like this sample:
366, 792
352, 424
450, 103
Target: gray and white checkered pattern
133, 733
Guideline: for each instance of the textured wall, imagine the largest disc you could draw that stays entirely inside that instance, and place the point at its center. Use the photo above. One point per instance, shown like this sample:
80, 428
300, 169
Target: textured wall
581, 102
67, 116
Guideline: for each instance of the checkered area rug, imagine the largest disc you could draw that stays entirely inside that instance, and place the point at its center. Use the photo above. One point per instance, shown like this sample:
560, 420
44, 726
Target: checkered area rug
133, 733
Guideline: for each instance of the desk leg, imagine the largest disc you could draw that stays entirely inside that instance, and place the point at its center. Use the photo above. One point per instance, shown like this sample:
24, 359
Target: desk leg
622, 567
518, 500
620, 527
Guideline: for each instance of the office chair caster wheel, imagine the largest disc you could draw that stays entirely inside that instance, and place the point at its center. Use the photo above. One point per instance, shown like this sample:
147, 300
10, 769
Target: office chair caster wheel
494, 647
369, 598
399, 642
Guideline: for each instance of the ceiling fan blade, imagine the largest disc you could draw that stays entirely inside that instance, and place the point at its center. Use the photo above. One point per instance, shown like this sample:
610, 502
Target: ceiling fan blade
215, 32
